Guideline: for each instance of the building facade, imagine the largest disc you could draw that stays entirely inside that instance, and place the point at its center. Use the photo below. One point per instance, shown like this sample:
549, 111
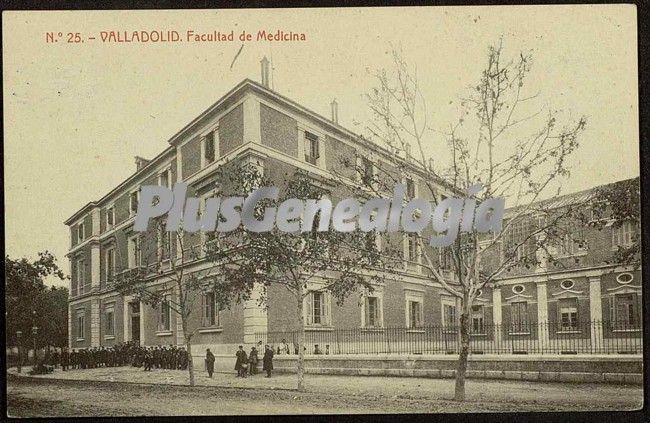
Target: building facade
253, 124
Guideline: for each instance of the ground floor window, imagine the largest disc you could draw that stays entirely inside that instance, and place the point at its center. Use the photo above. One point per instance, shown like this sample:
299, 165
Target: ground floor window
316, 306
519, 317
568, 310
81, 326
164, 314
478, 319
624, 311
210, 315
372, 312
109, 317
414, 313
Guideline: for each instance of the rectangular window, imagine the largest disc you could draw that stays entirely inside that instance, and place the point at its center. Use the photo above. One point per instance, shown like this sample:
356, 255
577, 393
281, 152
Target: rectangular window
109, 316
81, 326
478, 319
110, 217
367, 170
133, 203
449, 313
81, 275
312, 151
625, 314
518, 241
164, 243
572, 241
568, 309
110, 264
165, 178
210, 316
412, 248
373, 316
316, 306
415, 314
209, 148
410, 188
81, 232
519, 317
622, 235
164, 314
134, 252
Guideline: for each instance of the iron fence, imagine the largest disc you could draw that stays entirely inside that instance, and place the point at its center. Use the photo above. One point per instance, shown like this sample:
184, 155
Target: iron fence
592, 337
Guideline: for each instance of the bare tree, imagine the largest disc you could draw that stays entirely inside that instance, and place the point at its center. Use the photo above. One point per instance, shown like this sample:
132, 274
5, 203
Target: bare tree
162, 277
502, 142
299, 260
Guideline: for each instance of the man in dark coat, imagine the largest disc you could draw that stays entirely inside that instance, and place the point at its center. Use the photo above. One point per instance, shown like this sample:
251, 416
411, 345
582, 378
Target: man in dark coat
65, 359
241, 361
252, 361
267, 361
209, 362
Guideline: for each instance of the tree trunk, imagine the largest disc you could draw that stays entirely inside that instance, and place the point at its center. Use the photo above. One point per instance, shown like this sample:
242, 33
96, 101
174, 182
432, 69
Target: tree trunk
188, 345
301, 347
461, 371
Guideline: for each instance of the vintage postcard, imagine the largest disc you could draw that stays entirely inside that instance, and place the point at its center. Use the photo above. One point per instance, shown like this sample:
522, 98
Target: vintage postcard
322, 211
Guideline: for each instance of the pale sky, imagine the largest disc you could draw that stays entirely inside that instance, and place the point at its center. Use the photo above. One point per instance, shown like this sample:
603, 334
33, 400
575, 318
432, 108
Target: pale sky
75, 115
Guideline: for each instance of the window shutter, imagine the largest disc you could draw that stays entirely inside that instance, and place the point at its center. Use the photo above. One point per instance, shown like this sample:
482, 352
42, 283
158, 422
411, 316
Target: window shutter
612, 313
307, 311
366, 312
328, 308
203, 308
380, 322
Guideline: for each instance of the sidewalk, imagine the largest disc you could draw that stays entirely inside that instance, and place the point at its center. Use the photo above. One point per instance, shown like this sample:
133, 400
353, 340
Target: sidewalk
589, 396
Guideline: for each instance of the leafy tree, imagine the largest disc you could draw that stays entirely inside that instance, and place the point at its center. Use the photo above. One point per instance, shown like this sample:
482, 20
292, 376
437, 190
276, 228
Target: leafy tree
301, 260
503, 143
29, 302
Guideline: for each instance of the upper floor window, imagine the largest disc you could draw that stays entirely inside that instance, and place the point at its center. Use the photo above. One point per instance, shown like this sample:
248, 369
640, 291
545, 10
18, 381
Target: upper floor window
81, 232
518, 242
622, 235
165, 178
133, 202
210, 314
134, 252
81, 275
572, 241
209, 148
110, 263
164, 243
316, 306
410, 188
367, 171
110, 217
412, 248
164, 314
312, 150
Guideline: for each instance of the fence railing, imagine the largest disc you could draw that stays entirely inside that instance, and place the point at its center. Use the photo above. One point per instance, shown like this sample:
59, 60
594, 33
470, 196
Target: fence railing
592, 337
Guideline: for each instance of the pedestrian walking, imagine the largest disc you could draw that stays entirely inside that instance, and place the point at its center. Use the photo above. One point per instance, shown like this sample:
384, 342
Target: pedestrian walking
267, 361
209, 362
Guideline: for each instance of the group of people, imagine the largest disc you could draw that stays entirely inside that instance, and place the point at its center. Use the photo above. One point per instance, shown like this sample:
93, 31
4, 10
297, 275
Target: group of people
123, 354
245, 364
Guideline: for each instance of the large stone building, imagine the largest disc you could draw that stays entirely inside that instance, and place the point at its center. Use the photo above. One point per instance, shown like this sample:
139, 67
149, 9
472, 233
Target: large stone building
252, 123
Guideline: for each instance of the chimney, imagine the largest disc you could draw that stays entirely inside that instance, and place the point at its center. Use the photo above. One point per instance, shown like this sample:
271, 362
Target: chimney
431, 164
407, 150
140, 162
335, 111
265, 71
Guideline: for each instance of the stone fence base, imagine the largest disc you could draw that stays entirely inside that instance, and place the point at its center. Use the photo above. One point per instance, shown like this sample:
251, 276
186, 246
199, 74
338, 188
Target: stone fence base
569, 368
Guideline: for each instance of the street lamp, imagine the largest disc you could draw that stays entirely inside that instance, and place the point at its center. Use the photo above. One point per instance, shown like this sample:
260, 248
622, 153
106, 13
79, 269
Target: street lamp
18, 336
34, 332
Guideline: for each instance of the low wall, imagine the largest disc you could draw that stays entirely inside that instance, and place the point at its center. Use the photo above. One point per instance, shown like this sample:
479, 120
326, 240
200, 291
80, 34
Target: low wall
570, 368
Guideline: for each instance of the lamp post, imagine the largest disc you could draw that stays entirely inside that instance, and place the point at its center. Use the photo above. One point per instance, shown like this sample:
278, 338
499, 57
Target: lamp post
34, 332
20, 358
